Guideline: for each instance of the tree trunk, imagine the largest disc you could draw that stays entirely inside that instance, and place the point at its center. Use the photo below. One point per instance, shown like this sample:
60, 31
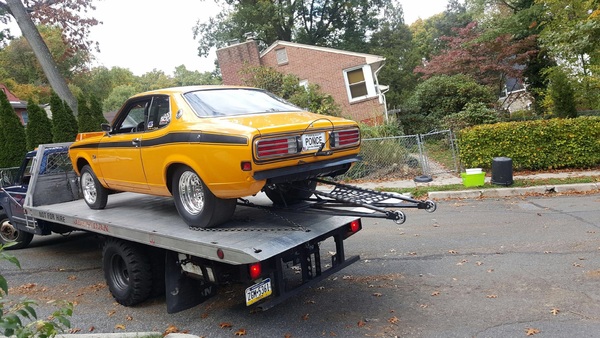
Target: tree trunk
42, 53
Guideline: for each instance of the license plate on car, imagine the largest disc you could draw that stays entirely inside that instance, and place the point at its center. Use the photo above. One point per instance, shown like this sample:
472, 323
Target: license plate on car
312, 141
258, 291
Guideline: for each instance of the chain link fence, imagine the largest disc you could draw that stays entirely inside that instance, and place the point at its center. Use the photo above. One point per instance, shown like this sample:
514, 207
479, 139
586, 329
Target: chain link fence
405, 157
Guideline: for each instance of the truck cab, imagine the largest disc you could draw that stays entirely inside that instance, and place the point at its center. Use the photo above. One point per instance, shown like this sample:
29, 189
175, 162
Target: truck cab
15, 225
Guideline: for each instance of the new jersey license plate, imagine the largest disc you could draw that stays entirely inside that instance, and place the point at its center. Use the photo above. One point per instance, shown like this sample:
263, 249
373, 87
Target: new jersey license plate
258, 291
312, 141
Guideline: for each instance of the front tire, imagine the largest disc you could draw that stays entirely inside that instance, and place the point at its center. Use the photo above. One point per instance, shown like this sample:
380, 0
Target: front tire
127, 270
195, 203
10, 234
94, 194
289, 193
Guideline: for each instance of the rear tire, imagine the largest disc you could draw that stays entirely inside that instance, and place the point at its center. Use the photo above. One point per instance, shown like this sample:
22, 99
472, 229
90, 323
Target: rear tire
287, 193
10, 234
195, 203
94, 194
127, 270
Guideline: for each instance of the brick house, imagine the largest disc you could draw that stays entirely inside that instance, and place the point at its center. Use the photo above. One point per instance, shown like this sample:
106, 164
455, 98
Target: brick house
350, 78
20, 107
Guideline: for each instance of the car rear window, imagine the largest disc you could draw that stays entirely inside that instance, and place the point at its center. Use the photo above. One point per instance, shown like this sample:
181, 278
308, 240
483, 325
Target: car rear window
231, 102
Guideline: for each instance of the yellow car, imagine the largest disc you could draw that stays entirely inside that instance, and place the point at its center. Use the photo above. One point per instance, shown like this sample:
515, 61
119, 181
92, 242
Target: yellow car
208, 145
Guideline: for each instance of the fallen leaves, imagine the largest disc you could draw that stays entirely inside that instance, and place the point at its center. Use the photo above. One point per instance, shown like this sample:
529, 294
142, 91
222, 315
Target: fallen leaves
531, 331
305, 317
377, 294
225, 325
240, 332
394, 320
120, 327
435, 293
554, 311
361, 323
492, 296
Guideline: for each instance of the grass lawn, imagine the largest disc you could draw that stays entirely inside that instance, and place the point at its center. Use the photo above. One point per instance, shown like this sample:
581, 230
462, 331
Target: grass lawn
422, 191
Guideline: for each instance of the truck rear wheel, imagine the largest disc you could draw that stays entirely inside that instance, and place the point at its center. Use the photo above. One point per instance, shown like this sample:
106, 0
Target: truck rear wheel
127, 270
290, 193
94, 194
10, 234
196, 204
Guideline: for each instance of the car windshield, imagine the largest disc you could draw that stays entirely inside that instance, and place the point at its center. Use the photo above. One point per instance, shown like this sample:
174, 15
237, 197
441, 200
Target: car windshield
231, 102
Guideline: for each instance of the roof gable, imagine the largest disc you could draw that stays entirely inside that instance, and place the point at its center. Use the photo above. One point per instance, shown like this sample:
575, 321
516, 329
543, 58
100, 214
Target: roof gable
11, 97
369, 58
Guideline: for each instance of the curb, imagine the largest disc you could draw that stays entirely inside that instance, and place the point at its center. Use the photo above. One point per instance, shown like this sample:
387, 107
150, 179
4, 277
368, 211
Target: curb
509, 192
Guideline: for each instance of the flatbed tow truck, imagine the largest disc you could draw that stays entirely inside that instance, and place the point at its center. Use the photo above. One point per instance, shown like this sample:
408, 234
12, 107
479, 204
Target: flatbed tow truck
148, 249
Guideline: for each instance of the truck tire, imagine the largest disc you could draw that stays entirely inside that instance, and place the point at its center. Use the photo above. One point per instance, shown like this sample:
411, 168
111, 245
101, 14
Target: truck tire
127, 270
94, 194
286, 193
195, 203
10, 234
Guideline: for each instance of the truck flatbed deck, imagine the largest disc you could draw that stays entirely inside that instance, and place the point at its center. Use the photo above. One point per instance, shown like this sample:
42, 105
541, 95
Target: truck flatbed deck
253, 235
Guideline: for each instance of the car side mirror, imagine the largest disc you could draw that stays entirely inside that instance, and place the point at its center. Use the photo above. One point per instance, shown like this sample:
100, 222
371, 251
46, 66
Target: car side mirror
106, 127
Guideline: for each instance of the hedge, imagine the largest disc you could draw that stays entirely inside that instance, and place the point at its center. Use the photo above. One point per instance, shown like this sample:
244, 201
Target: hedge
533, 145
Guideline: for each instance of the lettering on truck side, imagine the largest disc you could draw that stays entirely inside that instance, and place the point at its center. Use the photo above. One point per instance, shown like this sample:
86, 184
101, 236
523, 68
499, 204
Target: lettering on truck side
52, 217
90, 225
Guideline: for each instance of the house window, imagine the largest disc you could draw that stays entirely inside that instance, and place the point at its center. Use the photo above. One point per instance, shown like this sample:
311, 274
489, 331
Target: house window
359, 83
25, 117
282, 57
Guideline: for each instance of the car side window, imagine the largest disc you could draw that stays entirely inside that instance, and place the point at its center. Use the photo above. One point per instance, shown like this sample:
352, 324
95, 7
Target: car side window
159, 115
133, 118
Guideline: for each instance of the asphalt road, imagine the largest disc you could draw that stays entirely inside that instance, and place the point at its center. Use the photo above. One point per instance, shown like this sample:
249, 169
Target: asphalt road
474, 268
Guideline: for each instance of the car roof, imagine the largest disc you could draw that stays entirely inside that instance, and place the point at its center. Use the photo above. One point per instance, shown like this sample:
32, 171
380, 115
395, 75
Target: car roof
187, 89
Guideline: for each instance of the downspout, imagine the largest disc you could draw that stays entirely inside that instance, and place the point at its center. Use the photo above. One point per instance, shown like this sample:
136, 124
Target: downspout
381, 94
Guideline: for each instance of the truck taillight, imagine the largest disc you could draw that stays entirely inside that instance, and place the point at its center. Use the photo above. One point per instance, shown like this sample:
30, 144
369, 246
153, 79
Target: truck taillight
255, 270
354, 227
344, 138
275, 147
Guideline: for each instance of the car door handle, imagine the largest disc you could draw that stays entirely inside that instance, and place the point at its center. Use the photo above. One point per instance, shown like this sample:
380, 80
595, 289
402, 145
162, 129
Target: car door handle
136, 142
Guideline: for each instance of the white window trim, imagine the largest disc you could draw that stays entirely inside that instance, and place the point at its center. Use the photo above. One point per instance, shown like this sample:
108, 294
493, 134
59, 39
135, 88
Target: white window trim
369, 83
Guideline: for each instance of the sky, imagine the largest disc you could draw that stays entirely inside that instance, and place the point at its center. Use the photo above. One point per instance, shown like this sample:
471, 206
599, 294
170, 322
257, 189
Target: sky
141, 36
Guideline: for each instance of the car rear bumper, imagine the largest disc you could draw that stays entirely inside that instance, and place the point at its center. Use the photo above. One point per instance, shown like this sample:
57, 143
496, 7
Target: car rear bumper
306, 171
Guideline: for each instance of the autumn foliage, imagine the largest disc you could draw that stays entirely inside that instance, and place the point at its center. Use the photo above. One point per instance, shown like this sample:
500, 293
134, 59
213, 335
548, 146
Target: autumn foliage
489, 61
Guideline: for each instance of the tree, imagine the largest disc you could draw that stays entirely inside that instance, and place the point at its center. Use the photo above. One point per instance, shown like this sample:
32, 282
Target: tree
20, 63
155, 79
96, 112
39, 127
64, 124
13, 145
85, 121
520, 19
487, 61
332, 23
118, 96
66, 14
393, 41
560, 97
287, 86
185, 77
570, 30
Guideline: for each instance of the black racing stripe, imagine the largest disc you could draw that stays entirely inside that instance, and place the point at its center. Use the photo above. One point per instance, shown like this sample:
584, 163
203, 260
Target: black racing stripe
193, 137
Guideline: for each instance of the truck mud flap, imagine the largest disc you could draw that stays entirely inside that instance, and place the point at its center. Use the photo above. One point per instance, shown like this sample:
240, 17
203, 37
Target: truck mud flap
183, 292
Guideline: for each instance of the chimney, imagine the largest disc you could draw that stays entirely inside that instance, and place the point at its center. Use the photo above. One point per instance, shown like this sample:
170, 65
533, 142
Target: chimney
232, 59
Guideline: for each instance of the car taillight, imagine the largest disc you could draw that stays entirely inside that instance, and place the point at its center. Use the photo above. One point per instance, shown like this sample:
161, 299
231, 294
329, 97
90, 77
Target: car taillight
344, 138
276, 147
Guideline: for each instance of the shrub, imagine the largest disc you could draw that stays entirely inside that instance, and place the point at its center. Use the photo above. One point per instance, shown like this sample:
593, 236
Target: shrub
472, 115
533, 145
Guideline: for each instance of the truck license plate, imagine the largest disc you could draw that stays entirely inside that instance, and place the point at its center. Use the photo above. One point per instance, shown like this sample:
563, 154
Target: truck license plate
312, 141
258, 291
